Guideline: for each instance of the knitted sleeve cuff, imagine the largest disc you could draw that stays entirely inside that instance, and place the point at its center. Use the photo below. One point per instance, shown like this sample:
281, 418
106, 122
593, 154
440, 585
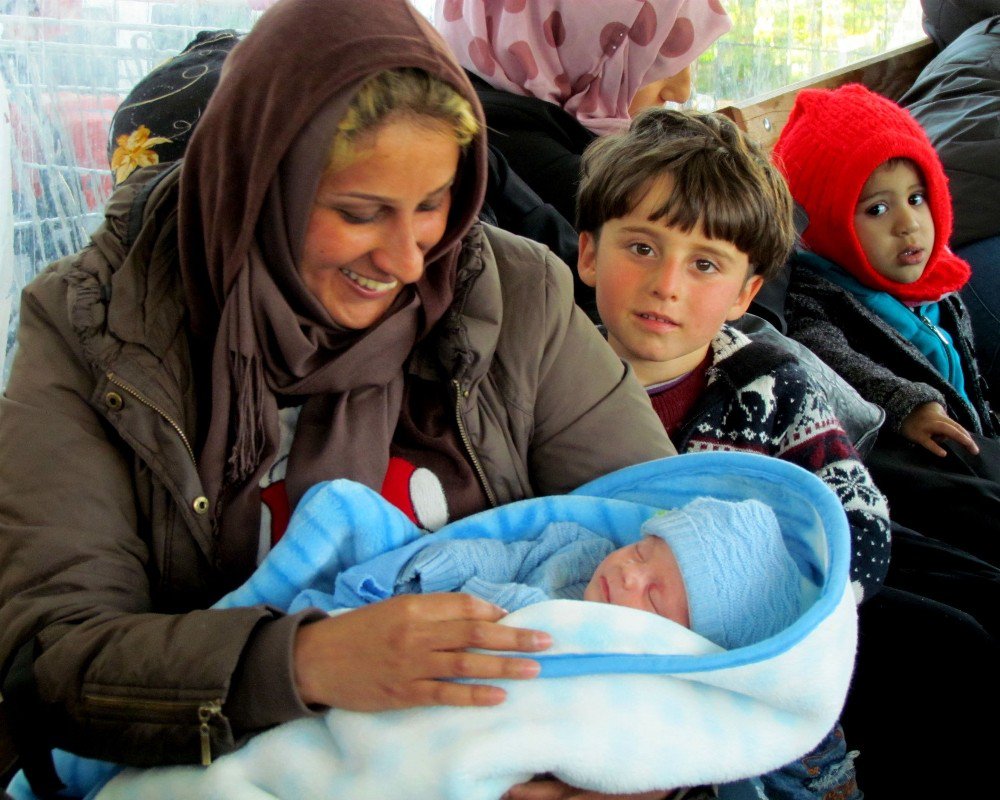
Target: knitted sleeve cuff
901, 403
262, 692
432, 570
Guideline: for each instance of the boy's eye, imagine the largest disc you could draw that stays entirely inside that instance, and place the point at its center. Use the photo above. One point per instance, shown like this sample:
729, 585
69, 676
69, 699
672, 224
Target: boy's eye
704, 265
876, 210
641, 249
917, 199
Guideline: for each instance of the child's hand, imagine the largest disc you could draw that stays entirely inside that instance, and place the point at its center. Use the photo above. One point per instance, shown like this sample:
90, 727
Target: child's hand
557, 790
930, 421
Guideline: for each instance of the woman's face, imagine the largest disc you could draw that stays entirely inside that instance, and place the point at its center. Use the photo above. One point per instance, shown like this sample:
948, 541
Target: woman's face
675, 89
374, 220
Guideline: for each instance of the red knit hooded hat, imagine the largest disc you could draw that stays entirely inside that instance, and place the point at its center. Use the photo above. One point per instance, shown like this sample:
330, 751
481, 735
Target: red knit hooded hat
832, 143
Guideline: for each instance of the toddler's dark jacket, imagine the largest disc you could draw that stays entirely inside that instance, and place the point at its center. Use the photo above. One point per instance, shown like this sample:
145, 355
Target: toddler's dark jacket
876, 360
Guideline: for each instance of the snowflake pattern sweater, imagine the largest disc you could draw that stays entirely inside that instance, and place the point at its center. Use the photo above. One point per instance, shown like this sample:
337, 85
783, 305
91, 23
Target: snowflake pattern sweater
759, 399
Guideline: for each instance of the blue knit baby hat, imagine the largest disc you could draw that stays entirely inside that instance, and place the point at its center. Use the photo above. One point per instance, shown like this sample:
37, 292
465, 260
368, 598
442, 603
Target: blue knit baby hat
742, 584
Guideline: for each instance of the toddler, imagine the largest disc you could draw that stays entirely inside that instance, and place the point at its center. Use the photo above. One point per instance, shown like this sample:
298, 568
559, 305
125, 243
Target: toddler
876, 293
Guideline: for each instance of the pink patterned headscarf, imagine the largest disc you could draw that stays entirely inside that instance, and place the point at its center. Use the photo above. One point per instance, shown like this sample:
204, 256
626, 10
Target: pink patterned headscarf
588, 56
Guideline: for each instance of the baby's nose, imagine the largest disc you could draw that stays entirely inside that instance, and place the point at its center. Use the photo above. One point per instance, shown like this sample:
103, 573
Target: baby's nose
632, 575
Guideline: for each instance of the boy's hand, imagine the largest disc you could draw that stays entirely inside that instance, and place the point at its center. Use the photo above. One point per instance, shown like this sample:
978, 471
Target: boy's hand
929, 422
557, 790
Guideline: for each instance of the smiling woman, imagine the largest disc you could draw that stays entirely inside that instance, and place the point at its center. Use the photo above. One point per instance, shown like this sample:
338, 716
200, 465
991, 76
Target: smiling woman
375, 219
276, 311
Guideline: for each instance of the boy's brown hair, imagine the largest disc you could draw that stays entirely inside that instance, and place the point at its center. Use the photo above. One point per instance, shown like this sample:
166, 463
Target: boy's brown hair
721, 179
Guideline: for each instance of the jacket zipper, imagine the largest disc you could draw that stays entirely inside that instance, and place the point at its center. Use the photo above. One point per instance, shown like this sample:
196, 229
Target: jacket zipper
206, 713
480, 472
934, 328
149, 404
941, 337
166, 710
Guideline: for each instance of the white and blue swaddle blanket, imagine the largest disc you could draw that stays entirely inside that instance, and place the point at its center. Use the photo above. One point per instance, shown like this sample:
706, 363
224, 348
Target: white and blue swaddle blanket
627, 701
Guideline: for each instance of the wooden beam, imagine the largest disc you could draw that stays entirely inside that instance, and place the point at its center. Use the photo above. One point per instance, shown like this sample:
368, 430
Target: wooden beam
890, 74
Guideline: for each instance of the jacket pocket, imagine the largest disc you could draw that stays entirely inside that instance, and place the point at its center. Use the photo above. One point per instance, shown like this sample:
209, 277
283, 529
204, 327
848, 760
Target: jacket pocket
205, 715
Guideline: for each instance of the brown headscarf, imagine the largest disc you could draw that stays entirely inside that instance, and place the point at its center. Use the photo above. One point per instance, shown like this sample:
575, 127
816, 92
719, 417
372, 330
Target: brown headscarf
247, 186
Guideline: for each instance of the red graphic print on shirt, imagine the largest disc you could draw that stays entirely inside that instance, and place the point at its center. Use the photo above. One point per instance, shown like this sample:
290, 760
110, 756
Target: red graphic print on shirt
416, 491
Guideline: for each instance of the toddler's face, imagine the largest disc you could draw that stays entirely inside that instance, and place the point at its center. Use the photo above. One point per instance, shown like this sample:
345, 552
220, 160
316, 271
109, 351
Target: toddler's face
893, 222
644, 575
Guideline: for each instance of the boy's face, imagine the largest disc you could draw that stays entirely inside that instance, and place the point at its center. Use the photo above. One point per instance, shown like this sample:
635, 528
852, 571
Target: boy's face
663, 294
893, 222
644, 575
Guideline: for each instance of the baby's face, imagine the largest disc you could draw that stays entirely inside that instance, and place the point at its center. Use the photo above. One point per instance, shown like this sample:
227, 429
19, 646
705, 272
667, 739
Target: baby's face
893, 222
644, 575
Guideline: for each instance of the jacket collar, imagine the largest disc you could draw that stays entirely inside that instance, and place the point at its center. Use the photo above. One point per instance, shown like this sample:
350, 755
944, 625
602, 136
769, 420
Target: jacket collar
464, 341
128, 293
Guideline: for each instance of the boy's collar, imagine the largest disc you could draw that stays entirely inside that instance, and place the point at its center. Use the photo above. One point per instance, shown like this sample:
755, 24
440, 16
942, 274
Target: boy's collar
800, 219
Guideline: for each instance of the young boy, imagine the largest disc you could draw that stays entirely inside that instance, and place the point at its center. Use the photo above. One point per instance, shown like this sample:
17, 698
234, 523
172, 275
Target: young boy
682, 219
875, 295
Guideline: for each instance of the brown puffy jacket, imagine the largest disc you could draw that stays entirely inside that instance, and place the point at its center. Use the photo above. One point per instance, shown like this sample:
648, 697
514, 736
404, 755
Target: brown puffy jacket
107, 554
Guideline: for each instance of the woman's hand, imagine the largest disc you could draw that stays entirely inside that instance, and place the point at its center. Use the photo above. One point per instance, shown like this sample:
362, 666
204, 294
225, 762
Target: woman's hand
400, 652
557, 790
930, 421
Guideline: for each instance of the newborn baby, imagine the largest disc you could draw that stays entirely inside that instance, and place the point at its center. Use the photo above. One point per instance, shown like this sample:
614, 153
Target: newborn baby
719, 568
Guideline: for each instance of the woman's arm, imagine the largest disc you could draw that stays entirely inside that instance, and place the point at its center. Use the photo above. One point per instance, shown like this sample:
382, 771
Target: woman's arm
114, 678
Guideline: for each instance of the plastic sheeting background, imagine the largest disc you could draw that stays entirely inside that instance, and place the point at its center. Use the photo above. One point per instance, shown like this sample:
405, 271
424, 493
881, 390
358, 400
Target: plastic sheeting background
64, 67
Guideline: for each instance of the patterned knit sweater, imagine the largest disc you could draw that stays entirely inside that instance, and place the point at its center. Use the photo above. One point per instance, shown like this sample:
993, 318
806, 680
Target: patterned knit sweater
759, 399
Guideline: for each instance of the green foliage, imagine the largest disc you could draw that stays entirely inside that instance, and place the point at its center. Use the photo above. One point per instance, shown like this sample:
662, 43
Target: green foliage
773, 44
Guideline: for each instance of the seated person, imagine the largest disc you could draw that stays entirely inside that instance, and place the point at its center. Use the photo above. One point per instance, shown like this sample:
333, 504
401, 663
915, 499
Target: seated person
876, 296
548, 90
876, 293
677, 243
553, 75
682, 219
956, 99
719, 568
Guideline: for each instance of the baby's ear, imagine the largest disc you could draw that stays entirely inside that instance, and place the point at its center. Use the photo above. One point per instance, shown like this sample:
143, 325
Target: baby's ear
586, 262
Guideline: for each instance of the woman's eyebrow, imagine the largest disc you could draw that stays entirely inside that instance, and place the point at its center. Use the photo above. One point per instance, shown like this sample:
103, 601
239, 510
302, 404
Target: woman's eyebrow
377, 198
